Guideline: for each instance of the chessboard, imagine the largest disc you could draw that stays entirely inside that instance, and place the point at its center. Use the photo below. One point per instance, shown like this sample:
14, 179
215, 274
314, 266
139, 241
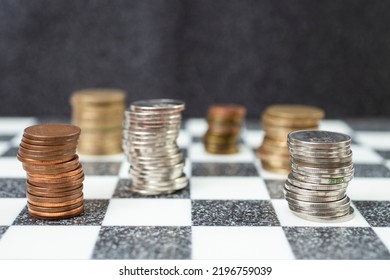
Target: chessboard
232, 208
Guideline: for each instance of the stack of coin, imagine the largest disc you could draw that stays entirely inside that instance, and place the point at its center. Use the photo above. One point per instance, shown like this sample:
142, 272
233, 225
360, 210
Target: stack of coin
321, 163
54, 174
278, 121
99, 114
224, 128
150, 131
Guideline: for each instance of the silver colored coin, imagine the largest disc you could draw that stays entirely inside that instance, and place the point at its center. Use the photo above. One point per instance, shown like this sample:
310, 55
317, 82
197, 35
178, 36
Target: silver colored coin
323, 171
304, 188
304, 159
319, 138
311, 197
318, 205
338, 219
322, 180
320, 153
157, 105
319, 184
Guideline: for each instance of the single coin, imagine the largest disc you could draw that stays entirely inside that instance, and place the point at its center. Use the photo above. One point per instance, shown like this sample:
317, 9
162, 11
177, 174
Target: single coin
319, 138
51, 131
295, 111
157, 105
57, 215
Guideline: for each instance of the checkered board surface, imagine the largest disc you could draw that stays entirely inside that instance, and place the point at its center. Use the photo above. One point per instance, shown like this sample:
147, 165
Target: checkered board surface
232, 209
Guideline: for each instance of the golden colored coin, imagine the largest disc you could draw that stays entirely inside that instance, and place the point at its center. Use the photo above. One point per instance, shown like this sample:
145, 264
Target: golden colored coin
295, 111
98, 95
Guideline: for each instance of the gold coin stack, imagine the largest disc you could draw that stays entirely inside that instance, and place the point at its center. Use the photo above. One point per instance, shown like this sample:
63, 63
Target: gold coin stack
224, 127
278, 121
99, 113
54, 174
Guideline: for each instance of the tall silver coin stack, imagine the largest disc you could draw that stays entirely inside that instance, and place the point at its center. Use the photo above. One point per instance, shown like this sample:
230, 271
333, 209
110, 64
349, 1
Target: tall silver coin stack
151, 128
321, 163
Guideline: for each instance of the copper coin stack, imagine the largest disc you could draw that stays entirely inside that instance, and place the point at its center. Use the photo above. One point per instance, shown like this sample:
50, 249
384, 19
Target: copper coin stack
277, 122
54, 174
224, 128
99, 113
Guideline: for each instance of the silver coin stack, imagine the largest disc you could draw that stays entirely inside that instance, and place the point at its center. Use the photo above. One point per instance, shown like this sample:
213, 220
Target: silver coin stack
321, 163
151, 128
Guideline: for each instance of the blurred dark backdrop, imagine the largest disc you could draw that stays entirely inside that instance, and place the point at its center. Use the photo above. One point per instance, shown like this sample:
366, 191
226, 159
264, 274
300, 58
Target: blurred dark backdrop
332, 54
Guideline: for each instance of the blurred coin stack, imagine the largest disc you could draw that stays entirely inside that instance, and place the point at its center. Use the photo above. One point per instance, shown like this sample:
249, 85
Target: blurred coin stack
321, 163
277, 122
224, 128
54, 174
99, 114
149, 140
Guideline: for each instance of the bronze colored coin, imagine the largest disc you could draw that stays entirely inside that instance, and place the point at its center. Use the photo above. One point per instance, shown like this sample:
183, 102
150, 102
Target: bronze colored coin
43, 162
295, 111
46, 177
228, 110
44, 157
51, 192
67, 146
47, 143
58, 215
223, 129
74, 161
224, 121
52, 131
54, 209
98, 95
52, 168
46, 153
59, 186
54, 201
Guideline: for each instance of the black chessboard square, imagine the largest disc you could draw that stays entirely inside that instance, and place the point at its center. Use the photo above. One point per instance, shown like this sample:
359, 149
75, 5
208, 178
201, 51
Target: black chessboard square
335, 243
371, 170
275, 188
101, 168
233, 213
384, 153
376, 213
6, 137
123, 190
223, 169
94, 212
12, 188
11, 152
3, 229
150, 242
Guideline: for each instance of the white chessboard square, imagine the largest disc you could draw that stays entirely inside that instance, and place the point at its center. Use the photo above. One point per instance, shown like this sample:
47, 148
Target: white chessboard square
365, 155
197, 153
335, 126
99, 187
369, 189
374, 139
253, 138
196, 127
234, 243
184, 139
48, 242
10, 209
4, 146
14, 125
11, 168
148, 212
245, 188
384, 235
124, 170
289, 219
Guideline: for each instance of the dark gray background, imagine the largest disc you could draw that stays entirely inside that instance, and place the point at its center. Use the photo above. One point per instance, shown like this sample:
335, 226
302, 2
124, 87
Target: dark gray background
332, 54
